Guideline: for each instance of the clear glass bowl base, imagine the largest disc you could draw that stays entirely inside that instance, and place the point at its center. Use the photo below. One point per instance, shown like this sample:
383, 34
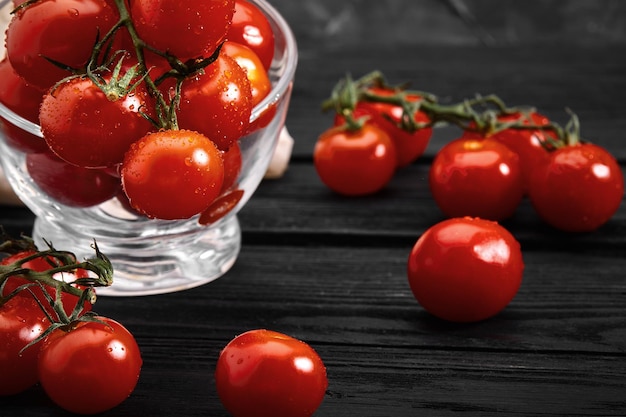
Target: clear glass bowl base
153, 265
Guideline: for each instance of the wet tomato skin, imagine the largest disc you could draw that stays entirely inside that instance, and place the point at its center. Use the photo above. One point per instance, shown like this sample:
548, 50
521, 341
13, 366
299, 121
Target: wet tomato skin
276, 374
21, 322
172, 174
579, 189
355, 162
251, 28
528, 144
465, 269
475, 177
90, 368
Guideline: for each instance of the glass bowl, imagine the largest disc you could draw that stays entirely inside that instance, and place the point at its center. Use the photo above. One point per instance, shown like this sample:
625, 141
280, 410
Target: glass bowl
152, 256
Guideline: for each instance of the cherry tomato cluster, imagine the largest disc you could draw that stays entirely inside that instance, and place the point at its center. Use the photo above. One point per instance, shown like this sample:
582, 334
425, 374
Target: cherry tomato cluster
501, 156
144, 101
50, 335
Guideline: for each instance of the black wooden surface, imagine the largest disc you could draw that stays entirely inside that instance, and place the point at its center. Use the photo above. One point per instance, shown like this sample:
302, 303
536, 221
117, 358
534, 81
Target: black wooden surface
331, 270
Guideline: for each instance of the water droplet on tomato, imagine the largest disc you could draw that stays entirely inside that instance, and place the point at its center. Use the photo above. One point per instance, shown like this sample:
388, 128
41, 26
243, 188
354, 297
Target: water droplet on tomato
73, 12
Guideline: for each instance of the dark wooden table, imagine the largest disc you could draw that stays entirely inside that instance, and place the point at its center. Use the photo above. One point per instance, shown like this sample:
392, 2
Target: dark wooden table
331, 270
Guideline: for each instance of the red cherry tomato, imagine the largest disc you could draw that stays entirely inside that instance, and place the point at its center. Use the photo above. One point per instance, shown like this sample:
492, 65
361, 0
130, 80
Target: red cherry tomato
21, 322
172, 174
24, 100
83, 127
260, 82
90, 368
216, 102
251, 27
61, 30
355, 162
247, 59
473, 177
528, 144
41, 264
68, 184
222, 205
578, 189
262, 373
232, 166
465, 269
190, 31
409, 145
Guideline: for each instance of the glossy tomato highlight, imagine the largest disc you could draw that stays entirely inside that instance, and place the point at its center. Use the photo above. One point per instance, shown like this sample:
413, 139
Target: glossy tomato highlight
263, 373
578, 189
91, 367
475, 177
355, 162
465, 269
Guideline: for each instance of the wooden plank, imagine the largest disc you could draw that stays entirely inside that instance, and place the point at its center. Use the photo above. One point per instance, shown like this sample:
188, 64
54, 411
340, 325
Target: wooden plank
360, 296
300, 206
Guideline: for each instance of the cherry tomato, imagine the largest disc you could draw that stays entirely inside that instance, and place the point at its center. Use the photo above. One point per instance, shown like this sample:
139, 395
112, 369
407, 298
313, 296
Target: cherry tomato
355, 162
465, 269
216, 102
24, 100
41, 264
191, 30
222, 205
260, 83
251, 27
21, 322
473, 177
528, 144
172, 174
83, 127
409, 145
262, 373
61, 30
68, 184
578, 189
90, 368
232, 166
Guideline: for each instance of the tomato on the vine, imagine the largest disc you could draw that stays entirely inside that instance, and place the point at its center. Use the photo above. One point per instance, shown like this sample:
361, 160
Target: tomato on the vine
41, 264
87, 129
186, 30
22, 321
410, 145
465, 269
529, 144
263, 373
474, 177
63, 31
89, 367
172, 174
251, 27
24, 100
579, 188
69, 184
216, 102
355, 161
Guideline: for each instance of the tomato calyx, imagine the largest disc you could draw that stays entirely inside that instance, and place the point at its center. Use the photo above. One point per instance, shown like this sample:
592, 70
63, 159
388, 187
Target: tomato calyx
60, 261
